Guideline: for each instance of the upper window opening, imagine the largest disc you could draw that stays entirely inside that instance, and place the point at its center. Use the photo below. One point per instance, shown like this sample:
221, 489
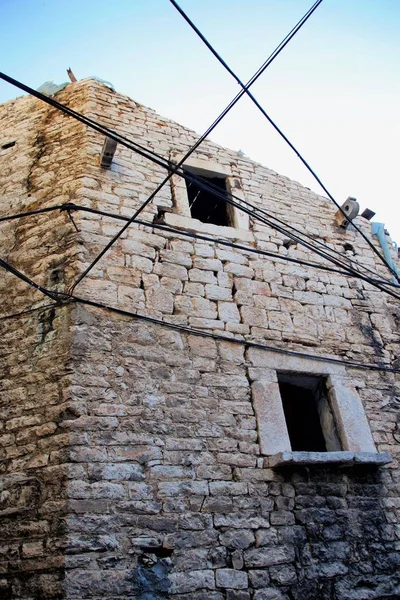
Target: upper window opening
205, 206
308, 416
8, 145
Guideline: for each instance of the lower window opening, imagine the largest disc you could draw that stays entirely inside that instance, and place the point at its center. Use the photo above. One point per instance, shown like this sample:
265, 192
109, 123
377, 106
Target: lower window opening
206, 207
308, 416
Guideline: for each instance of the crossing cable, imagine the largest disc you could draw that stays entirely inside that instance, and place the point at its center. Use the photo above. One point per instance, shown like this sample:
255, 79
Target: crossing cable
16, 273
246, 343
253, 79
207, 186
150, 155
347, 272
350, 271
280, 132
68, 207
205, 334
228, 196
191, 177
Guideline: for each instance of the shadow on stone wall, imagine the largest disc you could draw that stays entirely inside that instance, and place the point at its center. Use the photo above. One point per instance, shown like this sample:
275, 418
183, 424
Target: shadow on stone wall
345, 549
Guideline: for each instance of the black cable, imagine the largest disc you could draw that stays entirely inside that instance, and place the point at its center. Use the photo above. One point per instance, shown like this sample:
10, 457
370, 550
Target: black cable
69, 206
200, 333
72, 206
132, 145
275, 255
154, 157
30, 213
227, 197
14, 271
214, 191
218, 192
261, 70
29, 311
305, 163
160, 161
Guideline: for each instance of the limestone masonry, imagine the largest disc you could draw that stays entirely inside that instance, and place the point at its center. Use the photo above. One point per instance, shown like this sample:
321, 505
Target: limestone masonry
144, 462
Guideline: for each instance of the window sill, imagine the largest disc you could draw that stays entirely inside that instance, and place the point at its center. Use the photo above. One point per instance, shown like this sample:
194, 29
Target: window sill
327, 458
190, 224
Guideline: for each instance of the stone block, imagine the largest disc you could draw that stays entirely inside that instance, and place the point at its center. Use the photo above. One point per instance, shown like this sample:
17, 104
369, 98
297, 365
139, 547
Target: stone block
259, 578
238, 270
183, 488
200, 276
216, 292
171, 270
230, 578
254, 316
190, 581
228, 488
208, 264
176, 257
228, 312
266, 557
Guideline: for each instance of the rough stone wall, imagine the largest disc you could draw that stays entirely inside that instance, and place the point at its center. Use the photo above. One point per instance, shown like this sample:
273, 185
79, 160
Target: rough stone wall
41, 169
168, 494
173, 465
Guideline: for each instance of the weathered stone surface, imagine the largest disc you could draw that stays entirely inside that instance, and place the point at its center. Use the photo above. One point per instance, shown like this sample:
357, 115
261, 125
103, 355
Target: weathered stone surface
136, 459
192, 580
230, 578
265, 557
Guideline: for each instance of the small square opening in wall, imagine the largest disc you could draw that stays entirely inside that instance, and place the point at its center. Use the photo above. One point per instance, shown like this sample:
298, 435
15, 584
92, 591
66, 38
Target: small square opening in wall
309, 419
205, 206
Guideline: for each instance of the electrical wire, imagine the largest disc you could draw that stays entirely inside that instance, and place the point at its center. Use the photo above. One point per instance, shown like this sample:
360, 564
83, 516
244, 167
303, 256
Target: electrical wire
62, 297
247, 343
29, 311
260, 71
217, 191
74, 207
30, 213
227, 197
158, 159
250, 249
30, 282
206, 334
284, 137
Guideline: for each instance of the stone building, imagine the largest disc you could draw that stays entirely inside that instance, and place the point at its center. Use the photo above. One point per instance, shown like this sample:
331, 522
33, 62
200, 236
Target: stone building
233, 446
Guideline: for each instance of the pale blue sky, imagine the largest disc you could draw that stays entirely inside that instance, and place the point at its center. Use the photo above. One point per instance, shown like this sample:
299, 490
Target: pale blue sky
334, 90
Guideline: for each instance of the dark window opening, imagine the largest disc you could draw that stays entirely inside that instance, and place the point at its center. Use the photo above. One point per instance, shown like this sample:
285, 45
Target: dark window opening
8, 145
308, 416
159, 551
349, 248
287, 243
206, 207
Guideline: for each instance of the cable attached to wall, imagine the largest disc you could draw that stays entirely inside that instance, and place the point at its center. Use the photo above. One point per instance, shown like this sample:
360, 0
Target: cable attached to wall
283, 136
10, 269
201, 333
159, 160
68, 207
270, 59
247, 343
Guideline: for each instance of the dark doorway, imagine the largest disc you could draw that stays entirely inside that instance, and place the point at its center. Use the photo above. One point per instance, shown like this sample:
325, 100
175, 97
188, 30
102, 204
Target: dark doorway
206, 207
302, 399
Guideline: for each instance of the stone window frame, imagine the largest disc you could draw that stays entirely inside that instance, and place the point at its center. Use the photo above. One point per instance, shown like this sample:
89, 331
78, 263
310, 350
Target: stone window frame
181, 216
352, 425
